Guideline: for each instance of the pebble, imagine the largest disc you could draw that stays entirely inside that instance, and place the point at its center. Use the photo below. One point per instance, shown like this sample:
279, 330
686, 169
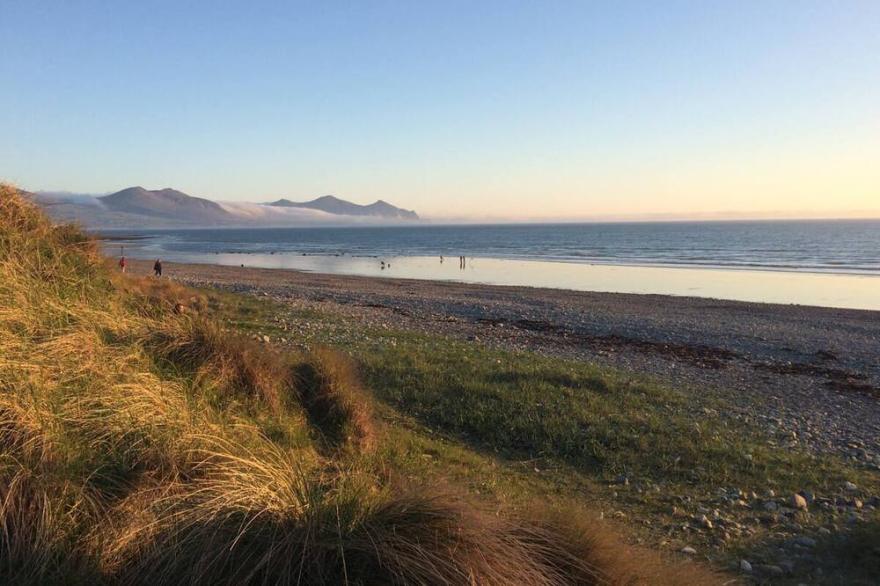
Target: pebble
805, 541
772, 570
688, 550
745, 566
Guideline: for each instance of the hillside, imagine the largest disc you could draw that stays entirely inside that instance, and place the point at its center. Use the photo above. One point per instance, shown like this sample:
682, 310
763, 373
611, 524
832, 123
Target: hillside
143, 442
165, 203
334, 205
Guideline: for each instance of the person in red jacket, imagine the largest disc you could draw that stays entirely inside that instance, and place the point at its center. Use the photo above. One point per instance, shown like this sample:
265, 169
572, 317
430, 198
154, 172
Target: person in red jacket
122, 264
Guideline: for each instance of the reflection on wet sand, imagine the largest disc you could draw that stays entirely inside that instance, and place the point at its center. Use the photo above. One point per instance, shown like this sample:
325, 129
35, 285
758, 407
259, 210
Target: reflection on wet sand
822, 289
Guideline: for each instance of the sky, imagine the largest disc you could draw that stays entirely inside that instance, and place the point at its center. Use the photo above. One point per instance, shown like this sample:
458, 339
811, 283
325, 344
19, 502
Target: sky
486, 110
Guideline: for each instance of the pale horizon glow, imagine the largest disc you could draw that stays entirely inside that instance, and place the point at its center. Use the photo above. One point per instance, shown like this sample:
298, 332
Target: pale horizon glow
490, 112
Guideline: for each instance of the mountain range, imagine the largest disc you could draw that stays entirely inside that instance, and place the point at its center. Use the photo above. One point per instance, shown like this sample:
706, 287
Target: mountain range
334, 205
137, 207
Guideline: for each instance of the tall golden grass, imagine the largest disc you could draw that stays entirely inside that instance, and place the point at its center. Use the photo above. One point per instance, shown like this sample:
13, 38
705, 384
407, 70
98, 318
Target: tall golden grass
328, 388
131, 452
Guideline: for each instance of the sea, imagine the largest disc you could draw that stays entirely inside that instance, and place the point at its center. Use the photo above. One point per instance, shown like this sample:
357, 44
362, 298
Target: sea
823, 262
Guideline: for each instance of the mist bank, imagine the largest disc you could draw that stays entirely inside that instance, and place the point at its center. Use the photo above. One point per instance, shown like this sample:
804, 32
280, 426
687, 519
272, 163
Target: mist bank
136, 207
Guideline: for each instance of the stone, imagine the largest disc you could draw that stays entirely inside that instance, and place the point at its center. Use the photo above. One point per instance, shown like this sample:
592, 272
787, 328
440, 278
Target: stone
799, 502
805, 541
851, 487
772, 570
688, 550
745, 566
266, 339
770, 506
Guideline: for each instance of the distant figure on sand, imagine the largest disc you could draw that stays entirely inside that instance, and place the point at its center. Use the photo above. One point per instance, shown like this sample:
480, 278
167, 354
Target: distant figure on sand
122, 264
462, 262
441, 259
157, 267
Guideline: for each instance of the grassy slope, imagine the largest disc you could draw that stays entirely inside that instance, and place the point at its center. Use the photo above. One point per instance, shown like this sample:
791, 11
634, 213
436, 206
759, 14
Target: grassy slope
518, 426
141, 443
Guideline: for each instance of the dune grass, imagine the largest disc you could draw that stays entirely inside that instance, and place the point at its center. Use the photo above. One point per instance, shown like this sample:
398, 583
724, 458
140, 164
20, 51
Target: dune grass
143, 443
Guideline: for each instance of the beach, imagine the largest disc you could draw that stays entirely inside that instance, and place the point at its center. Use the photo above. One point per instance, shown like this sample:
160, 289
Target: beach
808, 377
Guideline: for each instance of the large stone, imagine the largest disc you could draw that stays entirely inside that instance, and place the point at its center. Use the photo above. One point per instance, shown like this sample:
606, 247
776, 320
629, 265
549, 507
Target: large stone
799, 502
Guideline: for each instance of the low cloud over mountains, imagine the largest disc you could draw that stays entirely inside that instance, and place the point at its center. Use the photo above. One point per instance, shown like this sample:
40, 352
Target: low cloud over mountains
136, 207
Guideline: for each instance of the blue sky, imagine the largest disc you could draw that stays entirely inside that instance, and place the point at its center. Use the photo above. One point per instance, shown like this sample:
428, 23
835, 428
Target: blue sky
457, 109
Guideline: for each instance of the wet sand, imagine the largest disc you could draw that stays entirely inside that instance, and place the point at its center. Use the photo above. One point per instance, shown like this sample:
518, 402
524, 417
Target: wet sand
843, 290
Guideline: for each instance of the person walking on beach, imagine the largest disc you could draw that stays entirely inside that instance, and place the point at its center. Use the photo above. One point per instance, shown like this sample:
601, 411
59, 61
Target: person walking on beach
157, 267
122, 264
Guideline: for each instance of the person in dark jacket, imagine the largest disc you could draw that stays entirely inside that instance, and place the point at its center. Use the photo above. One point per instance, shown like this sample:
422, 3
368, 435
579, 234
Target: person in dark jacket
157, 267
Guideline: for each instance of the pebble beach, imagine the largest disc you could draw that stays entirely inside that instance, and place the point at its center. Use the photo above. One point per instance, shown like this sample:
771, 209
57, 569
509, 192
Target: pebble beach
808, 376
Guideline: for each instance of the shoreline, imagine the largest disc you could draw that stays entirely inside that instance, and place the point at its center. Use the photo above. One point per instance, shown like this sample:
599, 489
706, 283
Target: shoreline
747, 284
807, 371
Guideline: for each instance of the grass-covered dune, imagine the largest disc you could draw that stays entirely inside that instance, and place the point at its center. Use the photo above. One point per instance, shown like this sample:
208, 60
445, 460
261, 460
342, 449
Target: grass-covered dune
142, 443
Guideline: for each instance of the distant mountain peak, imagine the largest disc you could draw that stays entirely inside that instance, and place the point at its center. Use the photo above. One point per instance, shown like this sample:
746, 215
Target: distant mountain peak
164, 203
334, 205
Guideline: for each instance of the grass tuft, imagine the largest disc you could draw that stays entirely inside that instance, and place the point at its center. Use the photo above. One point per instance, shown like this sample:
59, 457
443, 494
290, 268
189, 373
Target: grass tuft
335, 402
223, 364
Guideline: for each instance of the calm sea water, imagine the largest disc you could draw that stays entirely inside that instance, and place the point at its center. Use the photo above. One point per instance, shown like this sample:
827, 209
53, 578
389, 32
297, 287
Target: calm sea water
831, 264
812, 246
